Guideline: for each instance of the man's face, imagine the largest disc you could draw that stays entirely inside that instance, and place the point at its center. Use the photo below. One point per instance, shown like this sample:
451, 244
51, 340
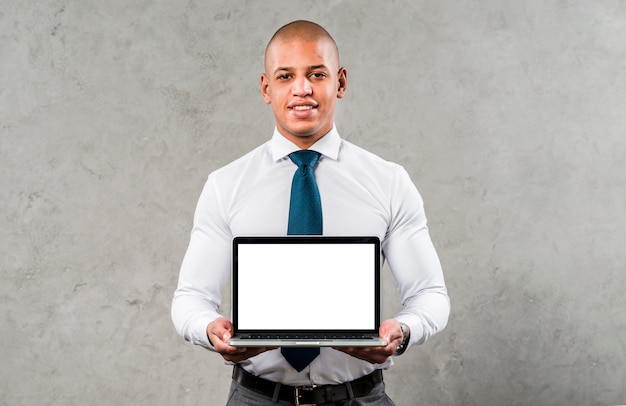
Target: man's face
302, 82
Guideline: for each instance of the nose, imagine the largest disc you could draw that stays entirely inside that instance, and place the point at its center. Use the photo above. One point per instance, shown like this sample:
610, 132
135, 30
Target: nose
302, 87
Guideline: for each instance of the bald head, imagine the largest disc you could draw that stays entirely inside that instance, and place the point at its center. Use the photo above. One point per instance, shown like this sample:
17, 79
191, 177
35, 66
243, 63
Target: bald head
303, 31
302, 81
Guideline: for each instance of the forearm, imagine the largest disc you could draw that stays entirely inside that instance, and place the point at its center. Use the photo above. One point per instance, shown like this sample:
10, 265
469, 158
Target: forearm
191, 314
426, 314
198, 297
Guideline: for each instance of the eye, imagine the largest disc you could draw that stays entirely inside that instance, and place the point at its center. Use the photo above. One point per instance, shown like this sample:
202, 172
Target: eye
318, 75
284, 76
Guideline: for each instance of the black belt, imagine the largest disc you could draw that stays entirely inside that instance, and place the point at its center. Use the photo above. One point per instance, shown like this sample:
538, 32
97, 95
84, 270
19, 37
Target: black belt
308, 395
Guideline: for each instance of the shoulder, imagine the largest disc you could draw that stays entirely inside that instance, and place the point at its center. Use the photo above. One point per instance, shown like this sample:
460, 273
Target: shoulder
239, 166
368, 161
388, 176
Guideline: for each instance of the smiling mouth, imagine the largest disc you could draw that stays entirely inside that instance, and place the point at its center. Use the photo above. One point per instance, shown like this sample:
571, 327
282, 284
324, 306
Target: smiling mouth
303, 108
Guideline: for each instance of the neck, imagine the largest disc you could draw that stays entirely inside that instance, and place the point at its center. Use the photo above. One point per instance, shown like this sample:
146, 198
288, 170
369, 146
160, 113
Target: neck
304, 141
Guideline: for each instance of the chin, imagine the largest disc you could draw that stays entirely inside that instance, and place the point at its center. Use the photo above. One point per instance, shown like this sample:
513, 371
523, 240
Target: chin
302, 132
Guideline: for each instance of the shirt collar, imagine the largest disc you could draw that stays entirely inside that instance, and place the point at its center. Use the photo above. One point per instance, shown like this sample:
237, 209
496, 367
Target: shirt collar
328, 145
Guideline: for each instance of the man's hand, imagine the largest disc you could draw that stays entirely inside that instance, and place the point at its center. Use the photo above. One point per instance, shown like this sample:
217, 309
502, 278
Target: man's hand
391, 332
219, 332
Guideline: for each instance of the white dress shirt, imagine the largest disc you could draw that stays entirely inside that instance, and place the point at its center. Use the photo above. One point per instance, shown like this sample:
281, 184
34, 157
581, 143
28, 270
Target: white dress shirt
361, 194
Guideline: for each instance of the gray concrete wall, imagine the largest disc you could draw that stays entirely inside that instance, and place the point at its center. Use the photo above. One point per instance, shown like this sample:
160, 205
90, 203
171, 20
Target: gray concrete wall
509, 116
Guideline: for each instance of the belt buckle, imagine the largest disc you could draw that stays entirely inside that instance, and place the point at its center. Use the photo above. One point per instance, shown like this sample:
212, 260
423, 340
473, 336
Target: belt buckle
297, 395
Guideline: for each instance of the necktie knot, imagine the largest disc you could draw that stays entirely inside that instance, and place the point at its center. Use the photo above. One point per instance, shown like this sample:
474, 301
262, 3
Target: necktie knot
304, 158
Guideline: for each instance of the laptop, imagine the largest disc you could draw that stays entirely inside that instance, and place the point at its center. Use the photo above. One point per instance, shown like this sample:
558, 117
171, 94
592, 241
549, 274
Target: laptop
306, 291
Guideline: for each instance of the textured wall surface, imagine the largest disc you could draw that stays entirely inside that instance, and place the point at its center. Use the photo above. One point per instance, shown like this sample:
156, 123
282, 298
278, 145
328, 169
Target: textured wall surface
509, 116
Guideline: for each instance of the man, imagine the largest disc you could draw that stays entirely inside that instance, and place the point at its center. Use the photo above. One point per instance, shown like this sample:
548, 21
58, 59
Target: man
360, 193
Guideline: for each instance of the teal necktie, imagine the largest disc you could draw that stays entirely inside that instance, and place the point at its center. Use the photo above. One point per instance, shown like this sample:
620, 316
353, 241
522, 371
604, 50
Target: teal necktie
305, 207
305, 218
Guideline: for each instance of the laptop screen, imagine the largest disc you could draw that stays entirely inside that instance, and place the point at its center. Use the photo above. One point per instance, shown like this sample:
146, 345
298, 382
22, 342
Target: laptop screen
306, 284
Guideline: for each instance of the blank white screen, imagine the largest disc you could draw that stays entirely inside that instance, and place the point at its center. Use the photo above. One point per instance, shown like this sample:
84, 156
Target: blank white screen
306, 286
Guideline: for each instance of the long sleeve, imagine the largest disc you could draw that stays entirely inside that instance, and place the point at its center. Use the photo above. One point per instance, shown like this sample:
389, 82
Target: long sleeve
205, 269
414, 262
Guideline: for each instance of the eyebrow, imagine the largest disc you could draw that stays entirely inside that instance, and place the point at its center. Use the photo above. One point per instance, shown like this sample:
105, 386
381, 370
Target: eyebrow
289, 68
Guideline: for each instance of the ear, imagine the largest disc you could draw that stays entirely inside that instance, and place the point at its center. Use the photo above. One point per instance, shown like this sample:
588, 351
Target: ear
265, 84
342, 80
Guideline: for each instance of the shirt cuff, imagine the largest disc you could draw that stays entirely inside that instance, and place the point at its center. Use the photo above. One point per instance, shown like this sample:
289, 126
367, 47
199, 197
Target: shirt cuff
198, 334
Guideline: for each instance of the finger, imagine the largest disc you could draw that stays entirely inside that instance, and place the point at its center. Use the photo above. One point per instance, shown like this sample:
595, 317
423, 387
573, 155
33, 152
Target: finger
218, 339
244, 353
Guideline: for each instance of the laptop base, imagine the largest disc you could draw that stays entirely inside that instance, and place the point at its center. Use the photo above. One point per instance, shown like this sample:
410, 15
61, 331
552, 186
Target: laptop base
357, 342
